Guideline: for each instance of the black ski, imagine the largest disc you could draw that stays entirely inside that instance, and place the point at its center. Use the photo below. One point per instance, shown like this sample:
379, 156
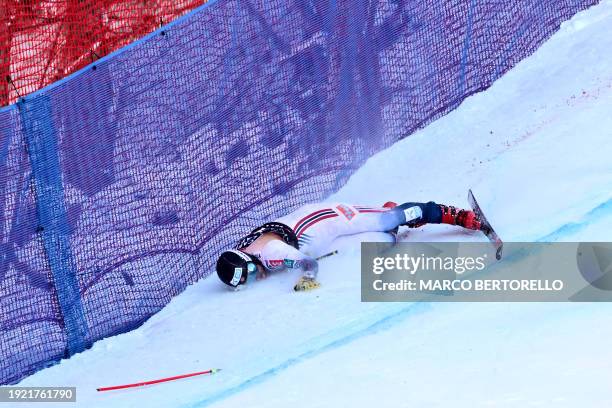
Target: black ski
486, 227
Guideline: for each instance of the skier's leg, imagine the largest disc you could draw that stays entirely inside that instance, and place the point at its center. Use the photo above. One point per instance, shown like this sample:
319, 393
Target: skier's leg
317, 226
350, 220
417, 214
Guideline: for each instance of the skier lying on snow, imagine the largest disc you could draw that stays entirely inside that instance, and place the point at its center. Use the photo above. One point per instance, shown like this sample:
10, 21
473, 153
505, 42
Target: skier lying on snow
296, 240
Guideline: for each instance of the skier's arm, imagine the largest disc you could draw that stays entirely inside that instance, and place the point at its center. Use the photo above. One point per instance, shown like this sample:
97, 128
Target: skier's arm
276, 254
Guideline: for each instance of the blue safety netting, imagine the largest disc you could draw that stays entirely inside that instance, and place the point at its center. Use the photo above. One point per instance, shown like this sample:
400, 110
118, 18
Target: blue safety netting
120, 184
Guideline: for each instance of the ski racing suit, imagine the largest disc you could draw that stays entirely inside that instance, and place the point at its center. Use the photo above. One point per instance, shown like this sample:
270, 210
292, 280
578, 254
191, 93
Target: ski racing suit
316, 226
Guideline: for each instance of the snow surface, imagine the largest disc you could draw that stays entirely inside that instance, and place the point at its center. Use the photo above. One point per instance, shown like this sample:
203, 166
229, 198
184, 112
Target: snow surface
536, 149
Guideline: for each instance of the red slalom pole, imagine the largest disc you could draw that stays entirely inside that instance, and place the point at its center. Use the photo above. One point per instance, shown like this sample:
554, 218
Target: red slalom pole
161, 380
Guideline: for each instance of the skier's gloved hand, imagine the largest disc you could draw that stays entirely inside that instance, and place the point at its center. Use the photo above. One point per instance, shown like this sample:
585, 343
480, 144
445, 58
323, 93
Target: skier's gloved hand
308, 280
306, 283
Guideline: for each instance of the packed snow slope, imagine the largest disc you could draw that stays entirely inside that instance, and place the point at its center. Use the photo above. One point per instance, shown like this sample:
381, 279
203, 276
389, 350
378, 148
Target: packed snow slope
536, 149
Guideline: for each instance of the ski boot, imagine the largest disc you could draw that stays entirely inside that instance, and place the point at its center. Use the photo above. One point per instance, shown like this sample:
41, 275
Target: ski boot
464, 218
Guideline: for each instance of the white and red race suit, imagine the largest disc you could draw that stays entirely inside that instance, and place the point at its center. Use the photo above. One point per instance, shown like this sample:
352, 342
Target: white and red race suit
316, 226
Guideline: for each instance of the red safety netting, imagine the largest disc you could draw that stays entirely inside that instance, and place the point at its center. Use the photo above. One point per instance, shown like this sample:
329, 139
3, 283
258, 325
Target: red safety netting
44, 41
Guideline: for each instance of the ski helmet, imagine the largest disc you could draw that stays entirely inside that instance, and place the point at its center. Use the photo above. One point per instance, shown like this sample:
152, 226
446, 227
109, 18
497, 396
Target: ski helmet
233, 267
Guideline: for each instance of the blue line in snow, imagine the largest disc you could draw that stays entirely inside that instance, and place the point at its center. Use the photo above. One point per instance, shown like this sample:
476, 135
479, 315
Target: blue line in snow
575, 227
379, 325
